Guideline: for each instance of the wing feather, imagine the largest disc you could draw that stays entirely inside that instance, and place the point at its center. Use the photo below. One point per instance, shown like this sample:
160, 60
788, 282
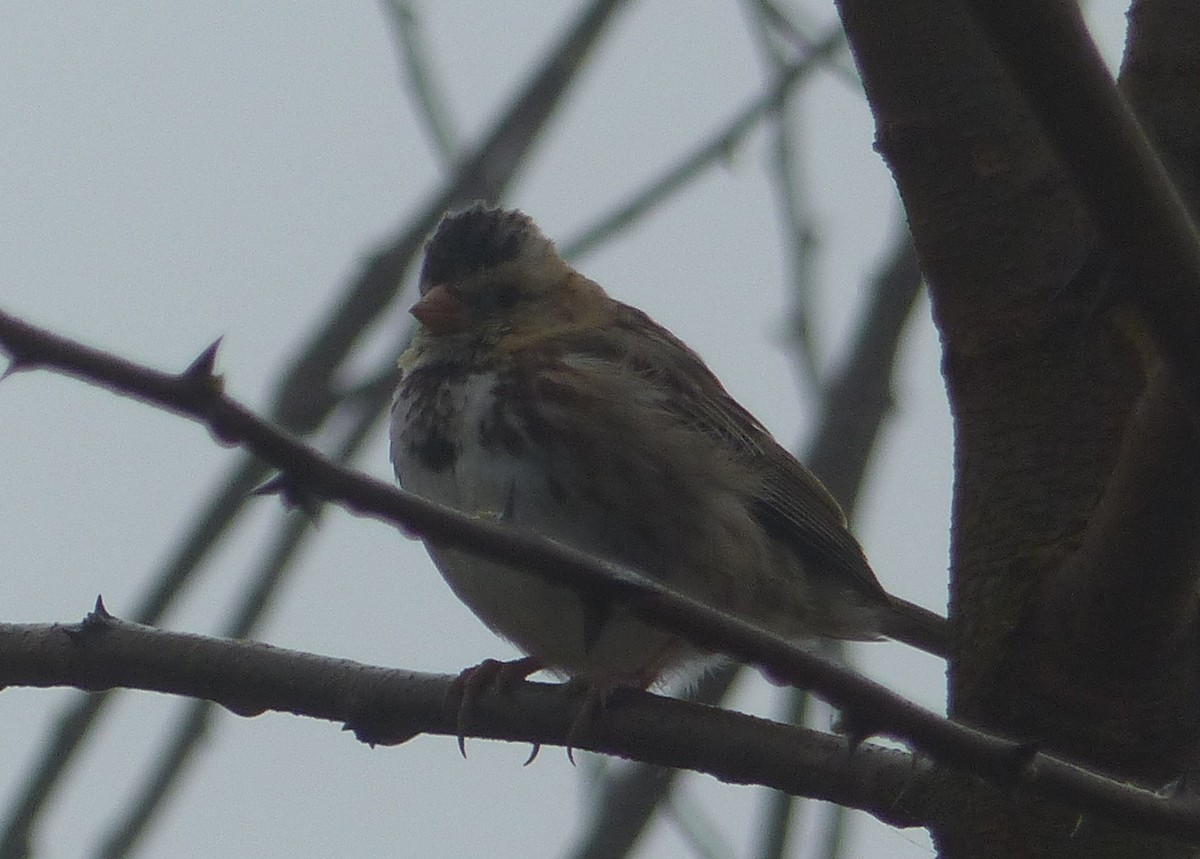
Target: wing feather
790, 501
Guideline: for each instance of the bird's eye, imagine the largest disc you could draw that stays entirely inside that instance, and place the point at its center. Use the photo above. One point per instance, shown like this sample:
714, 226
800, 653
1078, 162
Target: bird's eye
507, 295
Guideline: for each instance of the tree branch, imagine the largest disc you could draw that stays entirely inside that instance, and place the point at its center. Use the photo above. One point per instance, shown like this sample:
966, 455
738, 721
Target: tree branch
390, 706
307, 474
869, 708
854, 405
1040, 393
306, 394
431, 102
1116, 169
717, 146
1134, 576
1134, 573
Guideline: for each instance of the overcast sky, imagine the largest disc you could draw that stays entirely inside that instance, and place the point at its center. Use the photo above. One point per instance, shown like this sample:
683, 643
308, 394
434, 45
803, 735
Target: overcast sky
178, 172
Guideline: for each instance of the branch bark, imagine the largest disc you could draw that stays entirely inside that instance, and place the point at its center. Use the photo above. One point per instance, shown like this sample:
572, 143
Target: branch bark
390, 706
1044, 387
383, 706
1115, 167
306, 394
868, 707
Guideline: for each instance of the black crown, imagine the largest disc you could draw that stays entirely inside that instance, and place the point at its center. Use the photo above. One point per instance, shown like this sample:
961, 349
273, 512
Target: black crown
472, 240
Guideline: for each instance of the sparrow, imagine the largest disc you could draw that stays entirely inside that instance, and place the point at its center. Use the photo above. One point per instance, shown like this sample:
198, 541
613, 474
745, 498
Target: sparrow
530, 396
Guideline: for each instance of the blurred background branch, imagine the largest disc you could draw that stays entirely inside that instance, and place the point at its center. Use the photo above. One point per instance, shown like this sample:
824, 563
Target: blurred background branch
336, 382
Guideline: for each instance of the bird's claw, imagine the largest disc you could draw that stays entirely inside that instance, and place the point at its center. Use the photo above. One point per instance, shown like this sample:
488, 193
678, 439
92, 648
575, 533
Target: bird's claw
472, 683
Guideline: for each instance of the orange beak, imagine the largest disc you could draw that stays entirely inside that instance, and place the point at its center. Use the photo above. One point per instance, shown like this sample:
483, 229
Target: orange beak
442, 311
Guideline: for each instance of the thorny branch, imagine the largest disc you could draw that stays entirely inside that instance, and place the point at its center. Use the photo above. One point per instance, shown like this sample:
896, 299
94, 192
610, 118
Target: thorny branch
869, 708
306, 395
389, 706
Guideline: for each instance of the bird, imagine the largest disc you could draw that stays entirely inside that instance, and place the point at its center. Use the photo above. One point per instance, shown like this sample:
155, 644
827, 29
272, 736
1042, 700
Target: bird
530, 396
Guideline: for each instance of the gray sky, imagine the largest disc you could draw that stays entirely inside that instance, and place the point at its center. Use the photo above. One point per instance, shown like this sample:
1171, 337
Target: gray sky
176, 172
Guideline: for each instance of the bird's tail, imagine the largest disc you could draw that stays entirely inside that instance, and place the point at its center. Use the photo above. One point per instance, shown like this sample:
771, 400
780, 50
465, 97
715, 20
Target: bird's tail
916, 626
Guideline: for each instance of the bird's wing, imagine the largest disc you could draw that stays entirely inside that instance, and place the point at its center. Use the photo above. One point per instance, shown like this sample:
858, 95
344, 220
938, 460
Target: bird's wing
790, 502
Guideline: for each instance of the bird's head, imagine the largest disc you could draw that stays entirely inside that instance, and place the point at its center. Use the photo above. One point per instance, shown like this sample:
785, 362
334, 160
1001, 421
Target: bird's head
491, 276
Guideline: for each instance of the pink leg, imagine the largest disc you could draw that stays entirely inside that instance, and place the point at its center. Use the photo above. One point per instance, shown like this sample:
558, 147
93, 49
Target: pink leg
473, 682
597, 689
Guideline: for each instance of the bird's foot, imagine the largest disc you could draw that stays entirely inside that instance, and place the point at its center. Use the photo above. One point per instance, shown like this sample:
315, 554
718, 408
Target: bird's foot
472, 683
596, 693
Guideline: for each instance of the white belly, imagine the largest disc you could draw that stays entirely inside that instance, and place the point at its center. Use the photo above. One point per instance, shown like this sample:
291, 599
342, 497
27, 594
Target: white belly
553, 624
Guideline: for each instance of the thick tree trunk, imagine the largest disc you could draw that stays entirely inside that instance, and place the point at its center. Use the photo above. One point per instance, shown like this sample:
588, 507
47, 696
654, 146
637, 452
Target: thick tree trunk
1077, 470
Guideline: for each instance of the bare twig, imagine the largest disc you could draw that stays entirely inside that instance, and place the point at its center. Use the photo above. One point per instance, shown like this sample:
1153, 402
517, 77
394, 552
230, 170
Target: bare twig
783, 23
431, 101
714, 149
306, 394
796, 225
868, 707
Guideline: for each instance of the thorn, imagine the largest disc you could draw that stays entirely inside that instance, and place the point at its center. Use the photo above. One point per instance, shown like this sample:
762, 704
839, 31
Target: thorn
201, 369
16, 365
293, 496
1176, 788
277, 485
1020, 757
855, 728
239, 708
360, 734
93, 623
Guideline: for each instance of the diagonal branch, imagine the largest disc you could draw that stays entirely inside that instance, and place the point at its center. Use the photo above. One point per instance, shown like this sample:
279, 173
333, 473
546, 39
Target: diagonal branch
869, 707
196, 394
716, 147
856, 401
432, 104
305, 395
